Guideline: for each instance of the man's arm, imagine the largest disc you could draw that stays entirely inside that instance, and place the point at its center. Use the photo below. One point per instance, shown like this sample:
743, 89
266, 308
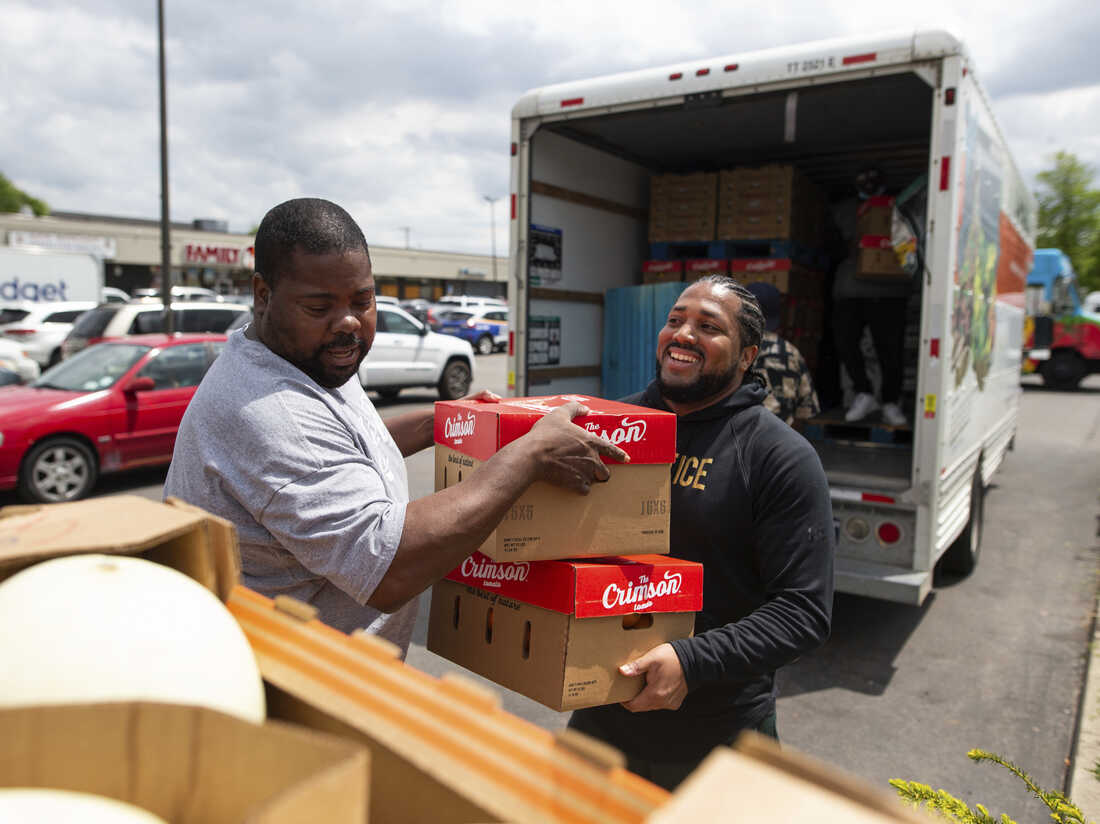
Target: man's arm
442, 529
794, 537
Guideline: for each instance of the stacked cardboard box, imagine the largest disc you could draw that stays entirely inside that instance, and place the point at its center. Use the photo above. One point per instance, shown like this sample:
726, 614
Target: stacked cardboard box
626, 515
803, 302
682, 208
877, 258
770, 202
556, 630
539, 611
695, 269
662, 271
790, 278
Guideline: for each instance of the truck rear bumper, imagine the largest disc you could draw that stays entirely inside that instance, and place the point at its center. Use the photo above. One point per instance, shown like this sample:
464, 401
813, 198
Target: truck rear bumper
889, 583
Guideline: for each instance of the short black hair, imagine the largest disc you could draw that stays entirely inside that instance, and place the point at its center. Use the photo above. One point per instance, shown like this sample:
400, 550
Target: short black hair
750, 320
316, 226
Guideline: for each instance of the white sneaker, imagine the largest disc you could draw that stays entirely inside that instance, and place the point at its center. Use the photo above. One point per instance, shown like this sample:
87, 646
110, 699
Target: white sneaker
863, 405
892, 414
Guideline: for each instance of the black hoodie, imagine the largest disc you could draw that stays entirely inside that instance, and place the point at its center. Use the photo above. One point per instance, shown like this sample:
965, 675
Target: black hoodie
751, 503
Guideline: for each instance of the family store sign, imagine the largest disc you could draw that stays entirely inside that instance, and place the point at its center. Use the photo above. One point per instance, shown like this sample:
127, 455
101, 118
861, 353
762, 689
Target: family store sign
225, 255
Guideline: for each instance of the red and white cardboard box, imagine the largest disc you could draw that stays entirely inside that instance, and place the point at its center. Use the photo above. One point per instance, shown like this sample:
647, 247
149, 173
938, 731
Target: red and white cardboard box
627, 515
557, 631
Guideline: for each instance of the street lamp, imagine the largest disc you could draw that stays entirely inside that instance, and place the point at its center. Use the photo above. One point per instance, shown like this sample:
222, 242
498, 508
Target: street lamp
493, 230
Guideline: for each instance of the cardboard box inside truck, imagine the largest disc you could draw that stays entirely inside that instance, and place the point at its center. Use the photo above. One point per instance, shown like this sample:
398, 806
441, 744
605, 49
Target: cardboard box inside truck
662, 271
185, 764
557, 631
627, 515
876, 216
878, 261
196, 543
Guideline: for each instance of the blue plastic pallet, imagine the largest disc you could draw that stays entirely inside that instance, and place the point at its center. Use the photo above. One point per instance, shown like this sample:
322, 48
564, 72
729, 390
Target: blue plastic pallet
633, 315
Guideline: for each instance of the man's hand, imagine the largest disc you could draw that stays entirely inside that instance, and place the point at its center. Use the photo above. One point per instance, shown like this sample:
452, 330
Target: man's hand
568, 455
665, 687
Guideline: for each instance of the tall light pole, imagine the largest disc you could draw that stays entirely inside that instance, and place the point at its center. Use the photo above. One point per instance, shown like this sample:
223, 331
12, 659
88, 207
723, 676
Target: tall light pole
165, 225
493, 231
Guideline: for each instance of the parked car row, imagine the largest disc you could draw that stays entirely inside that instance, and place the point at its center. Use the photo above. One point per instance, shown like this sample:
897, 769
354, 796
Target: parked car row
117, 388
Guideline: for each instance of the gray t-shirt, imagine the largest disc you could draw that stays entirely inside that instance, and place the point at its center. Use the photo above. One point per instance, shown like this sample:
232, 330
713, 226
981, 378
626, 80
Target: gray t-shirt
310, 476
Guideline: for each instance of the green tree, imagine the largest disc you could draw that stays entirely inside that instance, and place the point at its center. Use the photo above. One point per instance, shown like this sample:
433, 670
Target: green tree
1069, 215
13, 199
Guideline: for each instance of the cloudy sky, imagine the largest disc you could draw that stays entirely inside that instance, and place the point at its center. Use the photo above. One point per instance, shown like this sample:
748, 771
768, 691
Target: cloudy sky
399, 110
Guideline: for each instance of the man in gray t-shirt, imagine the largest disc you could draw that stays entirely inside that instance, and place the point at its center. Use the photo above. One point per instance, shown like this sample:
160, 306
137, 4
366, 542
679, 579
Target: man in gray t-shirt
281, 440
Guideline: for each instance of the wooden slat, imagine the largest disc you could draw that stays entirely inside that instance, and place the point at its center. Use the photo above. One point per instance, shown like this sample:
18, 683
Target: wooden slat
591, 201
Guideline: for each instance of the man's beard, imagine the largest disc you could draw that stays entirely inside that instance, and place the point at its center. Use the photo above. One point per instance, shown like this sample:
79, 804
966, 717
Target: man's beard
707, 385
315, 367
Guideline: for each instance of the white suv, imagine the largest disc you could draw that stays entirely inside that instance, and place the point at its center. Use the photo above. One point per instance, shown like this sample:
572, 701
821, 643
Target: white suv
113, 320
407, 354
39, 328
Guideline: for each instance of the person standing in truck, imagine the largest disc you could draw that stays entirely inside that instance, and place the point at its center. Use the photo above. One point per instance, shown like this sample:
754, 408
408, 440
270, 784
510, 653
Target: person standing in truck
877, 305
281, 440
751, 503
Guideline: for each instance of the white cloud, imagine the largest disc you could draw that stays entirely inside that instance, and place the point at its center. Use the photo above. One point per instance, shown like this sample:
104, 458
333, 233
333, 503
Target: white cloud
399, 109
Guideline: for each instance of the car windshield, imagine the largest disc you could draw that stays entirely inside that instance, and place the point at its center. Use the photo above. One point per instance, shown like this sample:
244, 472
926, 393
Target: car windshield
97, 367
455, 317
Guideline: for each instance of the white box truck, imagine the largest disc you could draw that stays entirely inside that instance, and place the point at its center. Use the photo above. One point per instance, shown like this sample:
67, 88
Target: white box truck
584, 152
44, 275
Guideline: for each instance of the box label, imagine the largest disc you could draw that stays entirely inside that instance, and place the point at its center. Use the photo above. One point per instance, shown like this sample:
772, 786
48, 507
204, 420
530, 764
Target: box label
595, 587
479, 429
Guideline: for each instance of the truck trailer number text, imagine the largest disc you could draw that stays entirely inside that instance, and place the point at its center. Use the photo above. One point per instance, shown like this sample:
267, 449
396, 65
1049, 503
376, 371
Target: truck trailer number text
800, 66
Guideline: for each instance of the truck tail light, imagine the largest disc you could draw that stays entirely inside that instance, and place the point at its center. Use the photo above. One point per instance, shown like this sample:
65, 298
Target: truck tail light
889, 533
857, 528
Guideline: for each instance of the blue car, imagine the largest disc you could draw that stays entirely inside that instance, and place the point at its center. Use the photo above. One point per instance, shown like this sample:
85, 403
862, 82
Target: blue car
485, 329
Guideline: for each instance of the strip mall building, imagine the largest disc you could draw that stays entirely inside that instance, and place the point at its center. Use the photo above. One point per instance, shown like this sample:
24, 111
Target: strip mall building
205, 254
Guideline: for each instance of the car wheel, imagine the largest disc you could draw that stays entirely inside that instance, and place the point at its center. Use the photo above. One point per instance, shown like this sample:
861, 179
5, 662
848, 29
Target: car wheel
57, 470
455, 380
55, 357
962, 556
388, 393
484, 345
1064, 370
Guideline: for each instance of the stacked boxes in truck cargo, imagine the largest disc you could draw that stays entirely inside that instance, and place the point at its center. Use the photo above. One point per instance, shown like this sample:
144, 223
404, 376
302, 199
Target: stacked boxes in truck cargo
695, 269
662, 271
666, 271
537, 612
769, 203
682, 207
803, 302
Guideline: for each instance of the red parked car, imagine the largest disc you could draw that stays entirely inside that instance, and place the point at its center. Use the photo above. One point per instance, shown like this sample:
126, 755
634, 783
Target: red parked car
110, 407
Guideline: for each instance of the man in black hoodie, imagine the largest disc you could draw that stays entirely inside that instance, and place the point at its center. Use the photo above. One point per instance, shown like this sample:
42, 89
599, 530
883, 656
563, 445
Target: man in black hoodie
751, 503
